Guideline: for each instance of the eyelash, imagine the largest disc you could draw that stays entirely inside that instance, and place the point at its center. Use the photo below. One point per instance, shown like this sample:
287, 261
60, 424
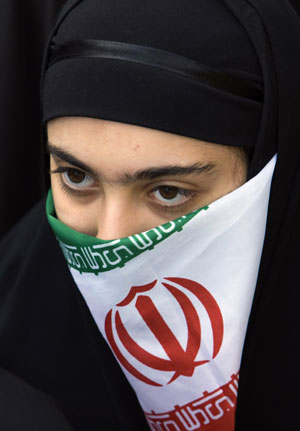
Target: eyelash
163, 208
176, 207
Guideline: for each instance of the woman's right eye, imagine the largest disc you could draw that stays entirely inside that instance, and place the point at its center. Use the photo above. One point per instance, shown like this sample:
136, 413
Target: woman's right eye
74, 178
77, 179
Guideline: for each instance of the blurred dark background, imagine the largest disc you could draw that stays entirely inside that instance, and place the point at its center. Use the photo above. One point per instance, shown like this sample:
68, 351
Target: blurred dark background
24, 28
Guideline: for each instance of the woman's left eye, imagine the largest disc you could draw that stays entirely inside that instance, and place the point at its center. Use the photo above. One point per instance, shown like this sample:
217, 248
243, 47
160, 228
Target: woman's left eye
170, 195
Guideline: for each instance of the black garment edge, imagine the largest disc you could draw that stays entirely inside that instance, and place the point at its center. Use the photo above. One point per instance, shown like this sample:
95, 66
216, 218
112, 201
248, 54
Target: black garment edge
49, 339
156, 58
270, 375
23, 408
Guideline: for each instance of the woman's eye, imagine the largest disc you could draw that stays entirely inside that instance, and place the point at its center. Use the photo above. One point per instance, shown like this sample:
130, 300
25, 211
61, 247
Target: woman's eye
171, 195
75, 178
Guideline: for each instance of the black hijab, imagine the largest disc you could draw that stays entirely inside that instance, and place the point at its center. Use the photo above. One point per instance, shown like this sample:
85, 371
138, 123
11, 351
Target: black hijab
235, 83
142, 63
176, 86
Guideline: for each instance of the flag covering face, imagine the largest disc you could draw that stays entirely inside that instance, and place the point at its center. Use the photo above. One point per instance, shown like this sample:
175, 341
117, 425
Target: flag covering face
173, 303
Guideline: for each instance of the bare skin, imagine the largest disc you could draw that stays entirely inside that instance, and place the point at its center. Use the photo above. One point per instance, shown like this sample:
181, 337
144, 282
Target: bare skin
111, 180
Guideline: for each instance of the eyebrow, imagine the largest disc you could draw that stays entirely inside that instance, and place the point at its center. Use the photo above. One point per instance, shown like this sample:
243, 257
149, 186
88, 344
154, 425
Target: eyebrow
173, 170
66, 157
140, 175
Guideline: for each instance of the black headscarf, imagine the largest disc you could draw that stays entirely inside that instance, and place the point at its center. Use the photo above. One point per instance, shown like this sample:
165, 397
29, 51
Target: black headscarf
166, 77
230, 76
165, 65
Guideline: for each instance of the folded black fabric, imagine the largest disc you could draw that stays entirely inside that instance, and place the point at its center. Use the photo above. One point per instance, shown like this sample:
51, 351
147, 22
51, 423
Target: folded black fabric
24, 408
49, 339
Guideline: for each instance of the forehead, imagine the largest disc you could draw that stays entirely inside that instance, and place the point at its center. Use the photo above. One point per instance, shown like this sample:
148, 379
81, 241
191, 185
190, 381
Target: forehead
98, 139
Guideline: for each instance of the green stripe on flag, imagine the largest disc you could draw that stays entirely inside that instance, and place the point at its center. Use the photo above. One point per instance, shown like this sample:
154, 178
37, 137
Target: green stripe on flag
89, 254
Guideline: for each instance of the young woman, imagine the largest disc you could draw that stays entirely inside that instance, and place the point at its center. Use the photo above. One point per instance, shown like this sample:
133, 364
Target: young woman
159, 291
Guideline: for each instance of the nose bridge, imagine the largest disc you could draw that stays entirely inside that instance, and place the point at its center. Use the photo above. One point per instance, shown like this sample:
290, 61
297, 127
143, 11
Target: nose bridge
116, 218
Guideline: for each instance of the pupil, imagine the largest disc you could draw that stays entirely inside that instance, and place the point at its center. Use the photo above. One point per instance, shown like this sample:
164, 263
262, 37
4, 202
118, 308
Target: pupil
76, 176
168, 192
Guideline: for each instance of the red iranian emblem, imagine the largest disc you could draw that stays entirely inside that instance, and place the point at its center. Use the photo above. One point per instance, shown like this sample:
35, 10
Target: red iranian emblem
181, 360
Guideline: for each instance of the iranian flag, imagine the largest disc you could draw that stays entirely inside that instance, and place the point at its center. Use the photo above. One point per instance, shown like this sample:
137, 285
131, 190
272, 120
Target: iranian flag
173, 303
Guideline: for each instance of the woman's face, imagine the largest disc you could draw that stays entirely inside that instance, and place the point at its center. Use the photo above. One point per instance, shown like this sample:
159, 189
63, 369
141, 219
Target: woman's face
112, 180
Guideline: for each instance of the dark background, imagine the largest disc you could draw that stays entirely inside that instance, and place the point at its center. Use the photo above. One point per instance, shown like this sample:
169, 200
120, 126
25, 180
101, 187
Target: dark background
24, 28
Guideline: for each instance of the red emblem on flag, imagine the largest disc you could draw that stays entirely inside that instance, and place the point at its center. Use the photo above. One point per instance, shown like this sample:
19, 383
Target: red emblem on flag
181, 361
